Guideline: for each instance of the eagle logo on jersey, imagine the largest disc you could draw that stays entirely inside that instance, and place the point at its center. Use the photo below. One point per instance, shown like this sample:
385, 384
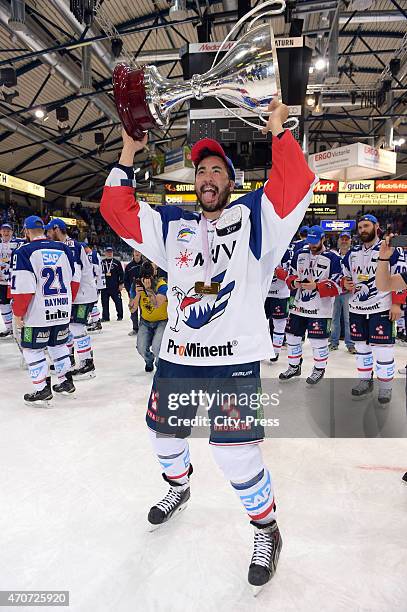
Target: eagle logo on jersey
365, 291
193, 313
308, 295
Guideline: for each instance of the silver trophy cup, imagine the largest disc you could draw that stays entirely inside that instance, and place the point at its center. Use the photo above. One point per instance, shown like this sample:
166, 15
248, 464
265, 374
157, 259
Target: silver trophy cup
247, 77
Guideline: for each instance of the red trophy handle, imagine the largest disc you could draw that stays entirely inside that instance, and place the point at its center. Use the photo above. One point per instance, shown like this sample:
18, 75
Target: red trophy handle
130, 98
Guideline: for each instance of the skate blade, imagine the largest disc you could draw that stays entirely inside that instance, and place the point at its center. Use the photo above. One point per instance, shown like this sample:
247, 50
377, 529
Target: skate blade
288, 380
256, 590
40, 404
152, 527
85, 376
65, 394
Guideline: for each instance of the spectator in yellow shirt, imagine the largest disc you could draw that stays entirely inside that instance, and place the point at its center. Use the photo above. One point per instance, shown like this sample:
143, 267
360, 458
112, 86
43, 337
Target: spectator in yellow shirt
151, 297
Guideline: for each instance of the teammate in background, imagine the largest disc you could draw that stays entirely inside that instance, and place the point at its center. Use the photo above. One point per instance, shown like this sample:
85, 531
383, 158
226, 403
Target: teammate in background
83, 302
7, 246
94, 320
131, 274
372, 312
276, 304
297, 245
43, 284
341, 304
397, 281
151, 298
220, 263
113, 271
386, 281
315, 273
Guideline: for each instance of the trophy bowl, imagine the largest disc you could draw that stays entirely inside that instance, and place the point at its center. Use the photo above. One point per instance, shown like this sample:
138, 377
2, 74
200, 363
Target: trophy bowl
131, 100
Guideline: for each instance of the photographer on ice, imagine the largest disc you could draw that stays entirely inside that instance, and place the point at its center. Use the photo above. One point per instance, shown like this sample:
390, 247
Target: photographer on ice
151, 298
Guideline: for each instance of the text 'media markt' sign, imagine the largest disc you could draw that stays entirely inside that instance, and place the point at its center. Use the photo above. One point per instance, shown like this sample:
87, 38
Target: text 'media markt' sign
391, 186
324, 186
13, 182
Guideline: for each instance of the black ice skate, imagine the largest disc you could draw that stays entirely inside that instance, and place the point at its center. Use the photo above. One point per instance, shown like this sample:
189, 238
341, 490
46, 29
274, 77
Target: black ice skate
404, 479
363, 388
384, 396
267, 547
174, 502
274, 359
316, 375
40, 398
66, 387
95, 327
6, 334
87, 370
291, 372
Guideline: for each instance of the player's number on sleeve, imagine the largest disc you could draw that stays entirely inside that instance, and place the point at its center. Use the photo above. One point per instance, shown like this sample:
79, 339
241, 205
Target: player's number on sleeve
54, 283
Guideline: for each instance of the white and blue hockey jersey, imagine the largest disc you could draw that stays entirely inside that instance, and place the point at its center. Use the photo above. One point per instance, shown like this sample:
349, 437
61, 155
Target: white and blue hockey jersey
251, 236
325, 270
96, 263
87, 293
278, 288
6, 252
360, 265
41, 283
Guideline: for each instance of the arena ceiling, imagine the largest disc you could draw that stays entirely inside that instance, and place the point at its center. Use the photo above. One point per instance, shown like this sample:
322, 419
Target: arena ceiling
47, 54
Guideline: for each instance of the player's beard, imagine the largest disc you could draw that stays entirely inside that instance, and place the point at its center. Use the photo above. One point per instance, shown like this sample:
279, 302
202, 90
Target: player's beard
219, 204
368, 236
315, 249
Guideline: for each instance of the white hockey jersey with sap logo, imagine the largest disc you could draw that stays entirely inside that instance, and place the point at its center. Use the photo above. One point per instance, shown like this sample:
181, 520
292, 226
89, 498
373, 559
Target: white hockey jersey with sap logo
324, 268
46, 269
249, 239
6, 251
87, 293
278, 288
360, 265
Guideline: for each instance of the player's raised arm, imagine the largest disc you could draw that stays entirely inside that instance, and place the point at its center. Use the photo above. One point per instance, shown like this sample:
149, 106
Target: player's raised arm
135, 222
287, 192
289, 188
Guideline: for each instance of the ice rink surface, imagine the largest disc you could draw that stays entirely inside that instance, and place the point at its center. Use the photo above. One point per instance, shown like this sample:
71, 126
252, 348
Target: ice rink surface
77, 481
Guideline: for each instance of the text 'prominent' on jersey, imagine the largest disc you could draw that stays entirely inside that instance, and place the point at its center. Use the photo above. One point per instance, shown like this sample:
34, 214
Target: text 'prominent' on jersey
360, 264
246, 243
324, 269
